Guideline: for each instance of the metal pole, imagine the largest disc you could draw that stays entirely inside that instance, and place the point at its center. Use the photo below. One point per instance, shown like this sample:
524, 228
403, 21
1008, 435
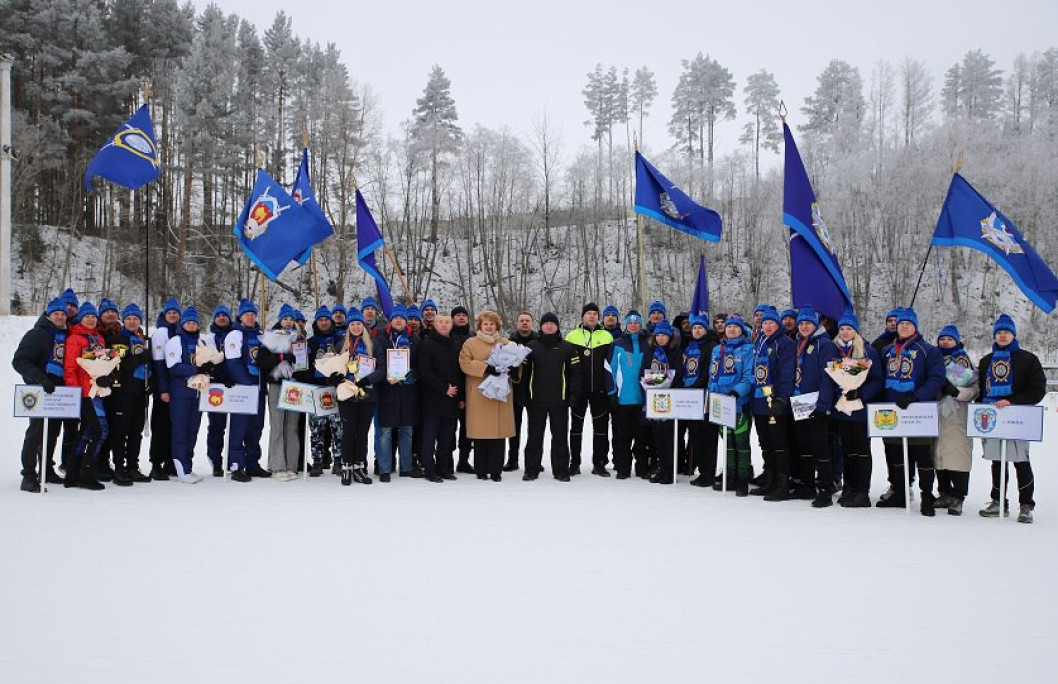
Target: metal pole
727, 466
907, 481
1003, 478
5, 187
920, 274
43, 459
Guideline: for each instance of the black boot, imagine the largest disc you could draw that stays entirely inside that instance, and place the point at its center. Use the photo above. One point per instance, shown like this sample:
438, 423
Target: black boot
360, 474
926, 507
779, 490
764, 483
510, 466
158, 473
53, 477
87, 479
136, 476
31, 484
347, 475
73, 470
316, 469
122, 478
464, 467
824, 498
702, 481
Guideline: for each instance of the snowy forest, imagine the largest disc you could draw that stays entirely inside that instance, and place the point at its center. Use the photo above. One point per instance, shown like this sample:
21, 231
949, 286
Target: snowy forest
486, 216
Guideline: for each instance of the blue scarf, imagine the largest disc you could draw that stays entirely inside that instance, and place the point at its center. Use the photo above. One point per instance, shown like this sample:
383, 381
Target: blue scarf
54, 366
1000, 378
660, 361
136, 341
762, 367
692, 363
900, 367
959, 356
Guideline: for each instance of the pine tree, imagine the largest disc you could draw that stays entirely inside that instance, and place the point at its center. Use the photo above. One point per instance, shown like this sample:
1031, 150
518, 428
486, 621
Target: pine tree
973, 88
916, 99
762, 104
644, 91
703, 96
435, 132
836, 108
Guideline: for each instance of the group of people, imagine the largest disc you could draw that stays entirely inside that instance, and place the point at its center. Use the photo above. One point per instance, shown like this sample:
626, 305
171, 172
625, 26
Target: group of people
433, 417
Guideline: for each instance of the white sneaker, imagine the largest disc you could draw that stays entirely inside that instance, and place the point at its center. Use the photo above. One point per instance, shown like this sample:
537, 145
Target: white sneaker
190, 478
286, 476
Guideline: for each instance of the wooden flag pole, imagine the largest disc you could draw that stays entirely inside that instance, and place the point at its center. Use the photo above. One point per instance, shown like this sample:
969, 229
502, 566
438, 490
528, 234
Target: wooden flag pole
639, 243
956, 167
389, 253
312, 254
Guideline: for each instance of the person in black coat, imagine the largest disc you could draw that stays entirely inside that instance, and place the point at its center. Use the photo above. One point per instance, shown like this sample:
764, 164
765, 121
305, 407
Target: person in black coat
398, 400
129, 398
443, 386
662, 356
461, 331
523, 334
551, 375
39, 360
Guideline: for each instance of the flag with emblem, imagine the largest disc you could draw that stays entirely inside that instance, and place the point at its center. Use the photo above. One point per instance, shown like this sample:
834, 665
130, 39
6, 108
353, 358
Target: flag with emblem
700, 301
967, 219
273, 229
368, 239
658, 198
815, 274
130, 157
303, 195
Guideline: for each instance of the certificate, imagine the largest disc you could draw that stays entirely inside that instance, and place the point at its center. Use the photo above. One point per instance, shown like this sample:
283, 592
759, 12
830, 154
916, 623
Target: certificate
300, 349
365, 366
398, 363
802, 405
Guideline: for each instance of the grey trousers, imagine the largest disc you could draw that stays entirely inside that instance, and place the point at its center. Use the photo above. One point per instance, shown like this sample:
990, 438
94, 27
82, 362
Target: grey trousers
282, 434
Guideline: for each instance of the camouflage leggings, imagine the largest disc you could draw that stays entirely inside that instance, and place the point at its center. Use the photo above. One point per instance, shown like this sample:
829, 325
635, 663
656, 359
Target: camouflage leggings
326, 434
738, 450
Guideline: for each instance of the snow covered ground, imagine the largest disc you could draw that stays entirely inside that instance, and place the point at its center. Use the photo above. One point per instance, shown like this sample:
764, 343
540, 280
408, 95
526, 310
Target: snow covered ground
595, 580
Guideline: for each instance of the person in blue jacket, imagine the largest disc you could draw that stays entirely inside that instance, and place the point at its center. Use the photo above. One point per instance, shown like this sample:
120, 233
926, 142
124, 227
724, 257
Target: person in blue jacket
774, 368
662, 356
626, 399
914, 371
814, 351
697, 351
851, 427
183, 401
161, 425
218, 422
241, 348
731, 372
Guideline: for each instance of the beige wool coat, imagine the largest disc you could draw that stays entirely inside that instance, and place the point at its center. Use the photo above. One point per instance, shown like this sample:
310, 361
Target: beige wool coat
486, 418
954, 450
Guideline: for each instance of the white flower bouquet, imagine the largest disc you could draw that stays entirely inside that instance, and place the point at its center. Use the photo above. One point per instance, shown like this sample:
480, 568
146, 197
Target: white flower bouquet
503, 358
849, 374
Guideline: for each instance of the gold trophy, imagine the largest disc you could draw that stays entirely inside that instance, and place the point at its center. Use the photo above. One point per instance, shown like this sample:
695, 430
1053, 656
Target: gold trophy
767, 389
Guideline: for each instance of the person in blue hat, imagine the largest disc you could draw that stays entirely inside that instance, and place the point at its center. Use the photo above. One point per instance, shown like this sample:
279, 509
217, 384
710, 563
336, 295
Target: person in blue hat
217, 423
662, 356
359, 411
888, 334
166, 327
774, 374
814, 472
758, 315
84, 341
127, 409
1010, 376
696, 353
611, 321
414, 320
730, 372
631, 434
183, 400
69, 300
398, 400
788, 320
655, 314
369, 310
241, 349
277, 363
325, 431
954, 453
339, 315
429, 313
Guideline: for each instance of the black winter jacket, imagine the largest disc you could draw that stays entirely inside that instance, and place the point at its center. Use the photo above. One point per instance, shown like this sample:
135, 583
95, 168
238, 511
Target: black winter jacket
438, 367
552, 373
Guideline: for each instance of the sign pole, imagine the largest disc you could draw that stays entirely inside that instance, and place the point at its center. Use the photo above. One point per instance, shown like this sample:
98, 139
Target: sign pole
43, 458
1003, 478
727, 465
909, 492
675, 460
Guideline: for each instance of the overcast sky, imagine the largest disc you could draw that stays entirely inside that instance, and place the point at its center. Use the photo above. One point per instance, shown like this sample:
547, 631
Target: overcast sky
509, 61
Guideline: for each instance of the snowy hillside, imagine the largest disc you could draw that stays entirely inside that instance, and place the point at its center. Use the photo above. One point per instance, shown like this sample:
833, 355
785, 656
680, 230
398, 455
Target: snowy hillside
591, 581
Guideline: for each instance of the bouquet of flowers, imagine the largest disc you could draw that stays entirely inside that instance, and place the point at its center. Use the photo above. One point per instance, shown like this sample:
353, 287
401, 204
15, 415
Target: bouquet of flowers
657, 379
503, 358
340, 363
98, 364
206, 352
280, 342
849, 374
965, 380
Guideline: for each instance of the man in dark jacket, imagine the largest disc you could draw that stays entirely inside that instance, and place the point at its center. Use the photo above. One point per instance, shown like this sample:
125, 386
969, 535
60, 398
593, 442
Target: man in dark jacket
218, 422
461, 331
166, 326
443, 384
774, 370
815, 466
241, 348
888, 335
593, 344
523, 334
39, 360
552, 377
129, 397
325, 431
398, 399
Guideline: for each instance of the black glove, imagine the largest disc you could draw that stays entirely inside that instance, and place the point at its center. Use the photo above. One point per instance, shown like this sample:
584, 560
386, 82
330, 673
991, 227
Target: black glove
363, 383
207, 367
733, 393
104, 381
491, 370
905, 400
229, 383
335, 379
611, 399
852, 394
950, 389
776, 408
48, 385
817, 413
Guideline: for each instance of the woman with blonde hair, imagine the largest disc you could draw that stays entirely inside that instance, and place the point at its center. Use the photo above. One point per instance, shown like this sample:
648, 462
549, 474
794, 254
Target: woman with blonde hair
358, 412
489, 422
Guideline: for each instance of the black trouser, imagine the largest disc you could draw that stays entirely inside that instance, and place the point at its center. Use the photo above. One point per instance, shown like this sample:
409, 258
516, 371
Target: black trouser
774, 447
438, 442
703, 439
600, 424
488, 457
856, 446
919, 456
465, 443
953, 483
356, 422
1026, 486
558, 416
813, 450
94, 431
684, 450
34, 441
663, 444
630, 431
127, 414
514, 444
161, 434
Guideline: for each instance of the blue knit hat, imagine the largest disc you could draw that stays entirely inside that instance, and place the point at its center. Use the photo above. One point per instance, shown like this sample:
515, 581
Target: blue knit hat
246, 306
699, 320
369, 301
808, 313
299, 317
429, 304
633, 317
950, 331
413, 312
69, 297
399, 312
1005, 322
657, 305
132, 310
170, 305
893, 313
788, 313
735, 319
322, 312
286, 311
768, 313
611, 311
663, 327
87, 308
221, 309
190, 315
761, 308
354, 315
907, 314
339, 307
54, 305
107, 305
849, 318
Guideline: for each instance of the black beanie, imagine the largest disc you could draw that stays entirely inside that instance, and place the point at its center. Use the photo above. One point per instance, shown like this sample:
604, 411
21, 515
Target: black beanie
460, 310
549, 317
590, 306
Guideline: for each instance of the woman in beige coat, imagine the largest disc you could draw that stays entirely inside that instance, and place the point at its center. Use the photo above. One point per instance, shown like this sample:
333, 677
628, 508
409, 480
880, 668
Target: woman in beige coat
489, 422
954, 448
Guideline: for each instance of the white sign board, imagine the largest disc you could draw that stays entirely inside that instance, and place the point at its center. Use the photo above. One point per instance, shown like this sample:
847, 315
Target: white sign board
723, 410
326, 400
802, 405
920, 419
236, 399
684, 404
304, 398
1013, 422
31, 401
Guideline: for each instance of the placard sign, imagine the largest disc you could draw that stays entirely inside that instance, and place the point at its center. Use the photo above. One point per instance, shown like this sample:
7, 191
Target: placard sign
985, 421
31, 401
723, 410
236, 399
920, 419
802, 405
684, 404
304, 398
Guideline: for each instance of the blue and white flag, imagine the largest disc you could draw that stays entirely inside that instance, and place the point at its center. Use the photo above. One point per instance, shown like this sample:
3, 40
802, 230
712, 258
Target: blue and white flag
658, 198
815, 274
368, 239
273, 229
967, 219
303, 195
130, 157
700, 301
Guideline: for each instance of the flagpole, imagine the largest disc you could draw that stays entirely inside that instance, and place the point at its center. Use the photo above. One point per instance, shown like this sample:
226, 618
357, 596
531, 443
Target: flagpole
789, 252
312, 254
264, 301
639, 242
955, 169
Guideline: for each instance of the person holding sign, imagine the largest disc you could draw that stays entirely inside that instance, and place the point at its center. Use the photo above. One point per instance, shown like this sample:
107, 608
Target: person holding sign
366, 369
241, 349
325, 432
852, 357
774, 368
954, 448
183, 401
218, 422
1010, 375
85, 341
696, 355
814, 351
398, 396
731, 372
663, 357
914, 371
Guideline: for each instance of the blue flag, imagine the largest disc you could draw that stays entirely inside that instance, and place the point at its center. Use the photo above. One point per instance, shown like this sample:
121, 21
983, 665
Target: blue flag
303, 195
130, 157
967, 219
815, 274
272, 228
659, 199
368, 239
700, 301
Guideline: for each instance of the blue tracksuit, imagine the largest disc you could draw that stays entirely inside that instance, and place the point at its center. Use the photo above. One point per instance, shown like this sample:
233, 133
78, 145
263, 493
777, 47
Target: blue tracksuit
241, 347
731, 369
773, 364
626, 358
183, 401
812, 356
218, 422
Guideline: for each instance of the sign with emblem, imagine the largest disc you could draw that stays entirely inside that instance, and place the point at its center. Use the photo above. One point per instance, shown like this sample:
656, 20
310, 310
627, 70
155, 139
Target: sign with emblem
235, 399
301, 397
684, 404
985, 421
31, 401
723, 410
920, 419
802, 405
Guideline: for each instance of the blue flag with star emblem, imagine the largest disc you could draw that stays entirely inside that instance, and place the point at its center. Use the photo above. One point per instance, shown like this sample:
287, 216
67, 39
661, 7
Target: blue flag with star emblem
815, 274
967, 219
303, 195
130, 157
658, 198
272, 228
